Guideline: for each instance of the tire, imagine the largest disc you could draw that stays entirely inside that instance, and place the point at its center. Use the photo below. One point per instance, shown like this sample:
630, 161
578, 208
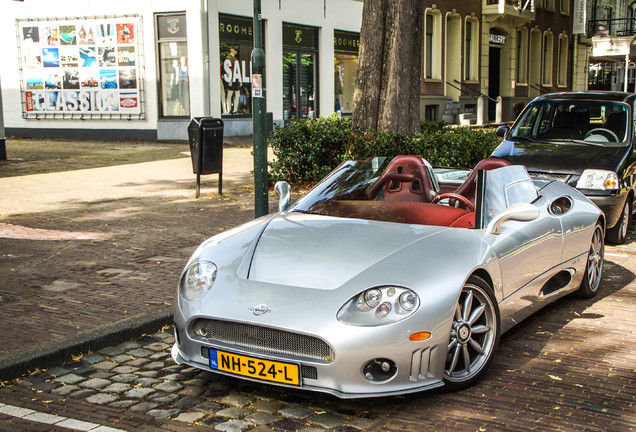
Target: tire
474, 335
618, 233
594, 268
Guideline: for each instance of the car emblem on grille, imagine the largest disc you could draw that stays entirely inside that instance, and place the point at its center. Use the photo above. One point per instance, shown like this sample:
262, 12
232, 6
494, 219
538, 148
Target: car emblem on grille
259, 310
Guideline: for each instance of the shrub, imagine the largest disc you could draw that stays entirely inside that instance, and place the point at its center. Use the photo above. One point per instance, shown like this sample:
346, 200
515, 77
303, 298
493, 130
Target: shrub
308, 150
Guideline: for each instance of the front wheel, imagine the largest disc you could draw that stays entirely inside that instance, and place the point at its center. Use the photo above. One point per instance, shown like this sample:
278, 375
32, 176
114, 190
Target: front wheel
474, 335
618, 234
594, 267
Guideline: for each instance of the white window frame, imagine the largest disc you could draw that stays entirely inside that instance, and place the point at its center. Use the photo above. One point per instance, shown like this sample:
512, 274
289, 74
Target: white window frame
435, 56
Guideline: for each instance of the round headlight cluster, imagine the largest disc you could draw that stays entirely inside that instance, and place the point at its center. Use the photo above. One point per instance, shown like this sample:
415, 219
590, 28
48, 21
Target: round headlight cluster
197, 279
379, 306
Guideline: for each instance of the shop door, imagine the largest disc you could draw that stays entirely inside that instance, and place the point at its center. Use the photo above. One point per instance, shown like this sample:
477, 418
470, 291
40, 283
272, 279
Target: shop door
300, 96
494, 68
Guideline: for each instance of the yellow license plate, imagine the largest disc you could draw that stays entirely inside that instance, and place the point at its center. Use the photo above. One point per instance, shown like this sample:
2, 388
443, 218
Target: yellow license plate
286, 373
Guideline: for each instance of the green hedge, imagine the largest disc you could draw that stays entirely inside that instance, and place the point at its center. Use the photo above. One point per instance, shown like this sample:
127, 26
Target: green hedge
308, 150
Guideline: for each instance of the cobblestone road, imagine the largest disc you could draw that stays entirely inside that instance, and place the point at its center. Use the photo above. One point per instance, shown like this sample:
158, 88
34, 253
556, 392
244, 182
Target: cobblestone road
571, 367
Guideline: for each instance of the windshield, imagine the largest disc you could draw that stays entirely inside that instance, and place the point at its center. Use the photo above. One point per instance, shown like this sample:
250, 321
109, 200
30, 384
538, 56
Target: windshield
504, 187
590, 122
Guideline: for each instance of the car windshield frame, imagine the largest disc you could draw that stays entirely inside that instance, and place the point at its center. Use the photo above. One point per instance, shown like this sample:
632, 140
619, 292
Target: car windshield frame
594, 122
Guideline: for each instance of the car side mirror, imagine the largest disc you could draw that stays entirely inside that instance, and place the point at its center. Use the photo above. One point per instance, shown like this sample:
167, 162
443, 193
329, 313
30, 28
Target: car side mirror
519, 212
502, 131
283, 189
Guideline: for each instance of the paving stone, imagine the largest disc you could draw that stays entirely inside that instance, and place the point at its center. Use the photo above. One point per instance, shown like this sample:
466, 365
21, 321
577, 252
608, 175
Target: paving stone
101, 375
44, 386
190, 417
234, 412
117, 388
112, 351
93, 358
261, 418
95, 383
126, 403
313, 429
105, 365
70, 379
288, 425
65, 390
187, 402
213, 421
209, 406
169, 386
267, 406
101, 398
238, 400
125, 378
40, 417
82, 394
139, 392
58, 372
233, 426
190, 371
140, 352
163, 398
326, 420
157, 346
125, 369
360, 423
149, 374
147, 382
165, 413
199, 382
137, 362
159, 356
155, 365
143, 407
122, 358
129, 345
162, 335
295, 412
192, 391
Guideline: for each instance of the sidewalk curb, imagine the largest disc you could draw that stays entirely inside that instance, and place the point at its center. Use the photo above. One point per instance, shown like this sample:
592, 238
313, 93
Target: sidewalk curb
57, 352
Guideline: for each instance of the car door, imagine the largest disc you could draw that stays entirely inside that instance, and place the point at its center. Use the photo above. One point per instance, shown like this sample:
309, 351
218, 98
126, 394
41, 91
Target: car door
525, 249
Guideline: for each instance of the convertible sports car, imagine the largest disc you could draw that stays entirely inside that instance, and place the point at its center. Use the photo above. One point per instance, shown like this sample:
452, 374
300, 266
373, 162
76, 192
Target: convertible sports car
386, 278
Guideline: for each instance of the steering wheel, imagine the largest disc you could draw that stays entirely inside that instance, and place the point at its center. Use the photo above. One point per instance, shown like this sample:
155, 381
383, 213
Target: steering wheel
603, 132
461, 198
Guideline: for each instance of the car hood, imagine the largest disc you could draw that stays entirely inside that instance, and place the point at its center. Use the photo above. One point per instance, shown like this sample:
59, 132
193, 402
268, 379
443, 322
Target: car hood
560, 157
323, 252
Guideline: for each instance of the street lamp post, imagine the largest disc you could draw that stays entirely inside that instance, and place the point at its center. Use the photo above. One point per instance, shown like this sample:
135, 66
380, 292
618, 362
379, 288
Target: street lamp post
259, 116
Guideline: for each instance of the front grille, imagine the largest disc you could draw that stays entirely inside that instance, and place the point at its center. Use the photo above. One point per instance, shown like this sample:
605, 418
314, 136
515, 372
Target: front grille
550, 176
264, 339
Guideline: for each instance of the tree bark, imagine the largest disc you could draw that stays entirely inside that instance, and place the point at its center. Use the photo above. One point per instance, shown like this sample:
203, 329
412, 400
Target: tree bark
389, 67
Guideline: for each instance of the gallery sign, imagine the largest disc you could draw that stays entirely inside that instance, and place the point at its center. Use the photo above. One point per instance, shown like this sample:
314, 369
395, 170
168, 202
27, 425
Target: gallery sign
81, 67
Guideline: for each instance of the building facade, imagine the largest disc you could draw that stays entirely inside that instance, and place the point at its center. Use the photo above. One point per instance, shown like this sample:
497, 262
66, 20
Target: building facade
142, 70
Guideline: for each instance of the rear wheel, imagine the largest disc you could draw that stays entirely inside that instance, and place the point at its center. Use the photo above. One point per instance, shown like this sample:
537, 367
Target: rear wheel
618, 234
594, 268
474, 335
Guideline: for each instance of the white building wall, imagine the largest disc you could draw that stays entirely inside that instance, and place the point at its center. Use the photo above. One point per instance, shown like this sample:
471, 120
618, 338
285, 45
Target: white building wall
327, 15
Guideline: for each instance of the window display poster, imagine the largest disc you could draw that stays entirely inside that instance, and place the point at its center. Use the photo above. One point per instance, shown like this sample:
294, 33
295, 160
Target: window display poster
85, 67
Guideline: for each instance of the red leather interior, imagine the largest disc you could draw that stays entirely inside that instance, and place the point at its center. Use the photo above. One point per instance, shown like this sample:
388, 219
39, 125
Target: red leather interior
400, 212
404, 179
469, 187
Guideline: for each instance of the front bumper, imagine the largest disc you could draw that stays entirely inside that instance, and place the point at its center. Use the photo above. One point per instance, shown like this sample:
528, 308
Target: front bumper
612, 206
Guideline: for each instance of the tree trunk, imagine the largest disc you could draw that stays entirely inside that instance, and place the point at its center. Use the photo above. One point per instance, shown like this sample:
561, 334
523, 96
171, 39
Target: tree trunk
387, 90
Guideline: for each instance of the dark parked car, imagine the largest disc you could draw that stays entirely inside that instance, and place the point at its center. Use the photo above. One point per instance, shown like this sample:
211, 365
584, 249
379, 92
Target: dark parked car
585, 139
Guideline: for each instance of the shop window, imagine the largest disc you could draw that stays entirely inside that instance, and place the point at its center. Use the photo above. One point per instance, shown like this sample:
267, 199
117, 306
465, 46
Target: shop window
522, 56
564, 7
548, 50
174, 87
345, 67
562, 68
300, 72
236, 42
432, 45
471, 48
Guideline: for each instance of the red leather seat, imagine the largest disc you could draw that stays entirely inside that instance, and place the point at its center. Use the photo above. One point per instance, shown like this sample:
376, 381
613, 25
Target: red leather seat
406, 178
469, 187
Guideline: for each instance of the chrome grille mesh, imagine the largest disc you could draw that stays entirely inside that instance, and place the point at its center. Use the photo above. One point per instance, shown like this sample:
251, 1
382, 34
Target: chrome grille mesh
549, 176
264, 339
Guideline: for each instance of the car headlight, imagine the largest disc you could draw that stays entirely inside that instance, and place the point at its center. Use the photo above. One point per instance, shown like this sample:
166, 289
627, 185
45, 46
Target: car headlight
379, 306
197, 279
598, 179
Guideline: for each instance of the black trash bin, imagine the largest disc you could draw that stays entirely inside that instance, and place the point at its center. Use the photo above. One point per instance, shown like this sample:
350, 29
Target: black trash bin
206, 148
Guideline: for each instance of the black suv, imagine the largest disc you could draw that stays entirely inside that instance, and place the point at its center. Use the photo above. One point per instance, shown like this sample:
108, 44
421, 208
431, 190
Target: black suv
585, 139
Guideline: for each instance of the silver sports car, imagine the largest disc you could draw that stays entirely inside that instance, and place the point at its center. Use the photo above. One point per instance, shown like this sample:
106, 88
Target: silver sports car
388, 277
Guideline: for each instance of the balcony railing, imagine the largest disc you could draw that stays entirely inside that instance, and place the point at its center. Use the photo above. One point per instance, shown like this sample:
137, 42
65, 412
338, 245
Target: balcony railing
523, 5
612, 27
